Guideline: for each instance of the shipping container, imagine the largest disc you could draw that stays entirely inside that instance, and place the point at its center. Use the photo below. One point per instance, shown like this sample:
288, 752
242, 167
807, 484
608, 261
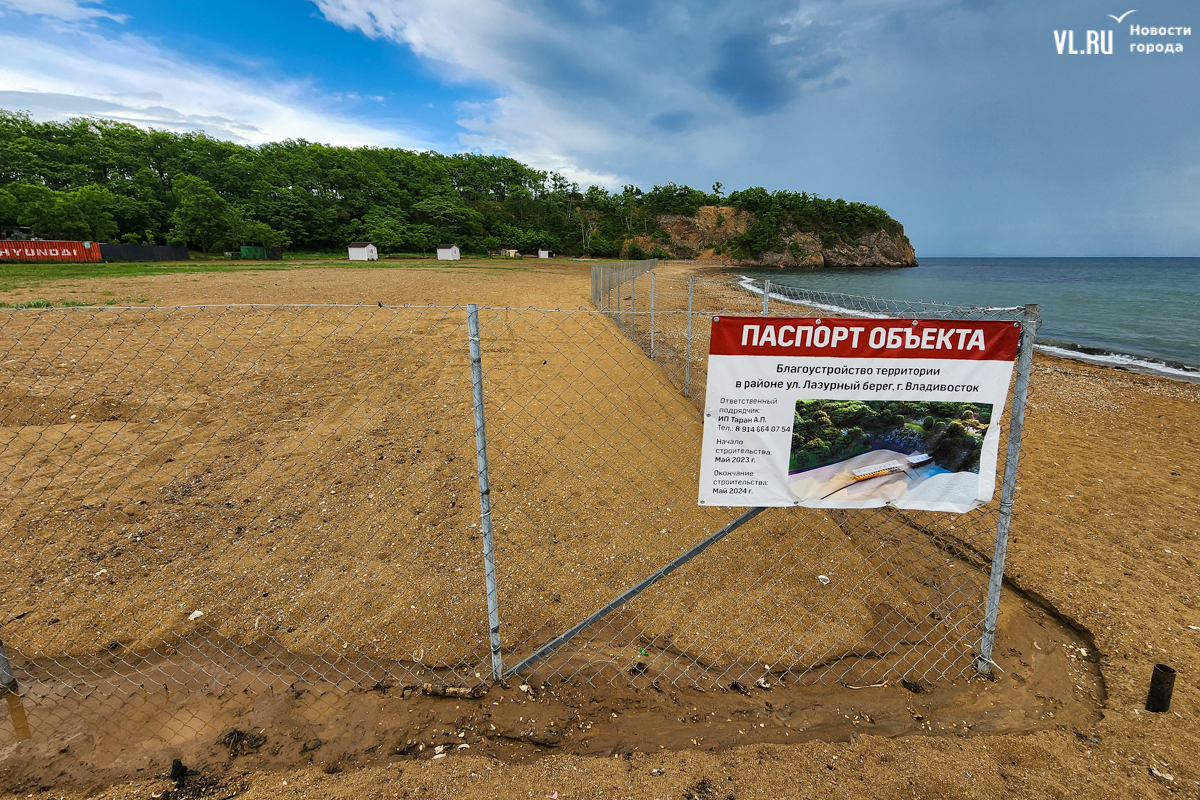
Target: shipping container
36, 250
254, 251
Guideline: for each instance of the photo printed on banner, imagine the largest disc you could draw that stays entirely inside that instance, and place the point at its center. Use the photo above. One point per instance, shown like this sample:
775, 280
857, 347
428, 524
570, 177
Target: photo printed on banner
837, 413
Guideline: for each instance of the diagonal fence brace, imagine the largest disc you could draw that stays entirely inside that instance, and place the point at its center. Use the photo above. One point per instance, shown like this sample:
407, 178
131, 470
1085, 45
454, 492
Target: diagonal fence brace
634, 591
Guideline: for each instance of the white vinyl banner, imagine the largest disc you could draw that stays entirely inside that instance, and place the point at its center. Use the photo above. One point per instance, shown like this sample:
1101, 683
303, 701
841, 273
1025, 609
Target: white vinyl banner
848, 413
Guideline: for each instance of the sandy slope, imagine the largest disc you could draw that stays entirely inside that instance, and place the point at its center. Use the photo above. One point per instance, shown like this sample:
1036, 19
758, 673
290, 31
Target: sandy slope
1105, 533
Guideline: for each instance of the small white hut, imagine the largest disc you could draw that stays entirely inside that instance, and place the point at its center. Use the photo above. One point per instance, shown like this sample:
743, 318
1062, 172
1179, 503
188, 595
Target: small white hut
544, 252
448, 252
363, 251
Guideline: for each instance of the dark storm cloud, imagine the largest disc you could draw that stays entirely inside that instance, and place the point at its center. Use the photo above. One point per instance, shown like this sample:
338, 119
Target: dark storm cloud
673, 121
751, 76
958, 116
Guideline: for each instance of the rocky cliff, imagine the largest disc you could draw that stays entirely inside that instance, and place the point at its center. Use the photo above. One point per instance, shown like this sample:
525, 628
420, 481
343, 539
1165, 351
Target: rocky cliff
707, 235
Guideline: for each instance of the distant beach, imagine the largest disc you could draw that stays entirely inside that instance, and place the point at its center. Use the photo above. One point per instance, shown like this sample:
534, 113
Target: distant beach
1139, 314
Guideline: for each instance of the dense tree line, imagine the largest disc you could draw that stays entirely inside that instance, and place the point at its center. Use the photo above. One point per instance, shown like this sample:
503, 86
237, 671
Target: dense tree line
108, 181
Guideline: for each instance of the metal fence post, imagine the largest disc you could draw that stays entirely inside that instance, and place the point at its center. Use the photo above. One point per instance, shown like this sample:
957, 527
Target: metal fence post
766, 298
12, 696
1008, 488
687, 358
485, 490
632, 302
651, 315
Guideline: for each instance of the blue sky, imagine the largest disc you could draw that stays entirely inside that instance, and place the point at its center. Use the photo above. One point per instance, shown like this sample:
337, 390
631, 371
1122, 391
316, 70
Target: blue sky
958, 116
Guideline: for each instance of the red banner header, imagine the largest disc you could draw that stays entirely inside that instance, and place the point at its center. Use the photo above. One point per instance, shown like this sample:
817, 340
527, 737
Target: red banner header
865, 338
49, 251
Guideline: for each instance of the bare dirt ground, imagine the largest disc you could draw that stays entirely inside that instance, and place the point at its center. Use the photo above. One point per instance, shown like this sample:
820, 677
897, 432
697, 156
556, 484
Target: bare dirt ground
1100, 564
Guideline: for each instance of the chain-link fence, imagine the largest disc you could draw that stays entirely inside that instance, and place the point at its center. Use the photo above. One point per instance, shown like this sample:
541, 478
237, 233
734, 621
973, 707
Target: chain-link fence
247, 499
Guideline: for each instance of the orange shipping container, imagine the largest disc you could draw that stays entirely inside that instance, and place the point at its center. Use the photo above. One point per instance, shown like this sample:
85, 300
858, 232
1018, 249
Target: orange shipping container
49, 251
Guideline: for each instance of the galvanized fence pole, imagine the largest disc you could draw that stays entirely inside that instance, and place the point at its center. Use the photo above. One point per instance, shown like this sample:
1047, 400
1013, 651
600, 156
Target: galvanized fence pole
766, 298
485, 490
12, 697
8, 681
687, 358
1008, 488
651, 315
632, 301
618, 299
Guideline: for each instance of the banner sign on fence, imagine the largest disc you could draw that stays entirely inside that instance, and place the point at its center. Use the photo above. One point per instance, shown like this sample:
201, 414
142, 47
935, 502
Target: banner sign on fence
850, 413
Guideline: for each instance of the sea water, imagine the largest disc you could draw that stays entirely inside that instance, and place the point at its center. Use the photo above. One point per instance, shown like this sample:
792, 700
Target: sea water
1137, 313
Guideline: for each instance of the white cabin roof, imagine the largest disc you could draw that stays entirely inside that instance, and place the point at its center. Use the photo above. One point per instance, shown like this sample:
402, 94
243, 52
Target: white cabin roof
887, 466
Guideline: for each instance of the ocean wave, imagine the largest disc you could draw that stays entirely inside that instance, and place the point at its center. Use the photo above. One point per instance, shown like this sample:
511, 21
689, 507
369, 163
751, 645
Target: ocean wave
1103, 358
753, 288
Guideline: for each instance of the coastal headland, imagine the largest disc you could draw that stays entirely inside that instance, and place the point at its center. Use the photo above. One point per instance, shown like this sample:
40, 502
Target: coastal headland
742, 238
1100, 587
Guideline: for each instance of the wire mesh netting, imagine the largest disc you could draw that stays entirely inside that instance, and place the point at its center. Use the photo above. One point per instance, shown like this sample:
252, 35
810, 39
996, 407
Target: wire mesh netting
250, 499
606, 498
236, 498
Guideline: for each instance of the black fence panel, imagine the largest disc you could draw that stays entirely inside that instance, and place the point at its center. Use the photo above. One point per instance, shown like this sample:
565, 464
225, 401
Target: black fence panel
144, 252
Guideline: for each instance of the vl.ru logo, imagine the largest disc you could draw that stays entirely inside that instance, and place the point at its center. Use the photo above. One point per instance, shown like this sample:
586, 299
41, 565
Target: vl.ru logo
1101, 42
1096, 43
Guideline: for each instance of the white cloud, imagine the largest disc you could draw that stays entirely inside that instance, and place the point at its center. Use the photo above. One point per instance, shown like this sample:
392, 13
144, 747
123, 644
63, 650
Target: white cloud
67, 10
951, 114
596, 90
131, 80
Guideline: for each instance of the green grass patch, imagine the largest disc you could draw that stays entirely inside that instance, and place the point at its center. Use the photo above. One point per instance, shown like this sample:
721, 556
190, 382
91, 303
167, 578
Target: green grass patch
21, 275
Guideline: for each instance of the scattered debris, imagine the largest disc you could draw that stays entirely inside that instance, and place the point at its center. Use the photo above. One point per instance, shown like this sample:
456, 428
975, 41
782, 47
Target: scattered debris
763, 683
870, 686
912, 686
241, 743
639, 668
479, 690
656, 771
737, 686
824, 579
914, 713
195, 615
178, 772
1161, 775
311, 745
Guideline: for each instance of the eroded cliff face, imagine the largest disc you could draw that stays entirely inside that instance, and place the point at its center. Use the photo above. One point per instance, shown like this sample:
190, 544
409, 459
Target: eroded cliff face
703, 235
879, 249
692, 237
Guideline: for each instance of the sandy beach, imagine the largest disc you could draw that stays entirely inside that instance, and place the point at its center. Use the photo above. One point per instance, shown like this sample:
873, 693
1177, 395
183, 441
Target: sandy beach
1101, 577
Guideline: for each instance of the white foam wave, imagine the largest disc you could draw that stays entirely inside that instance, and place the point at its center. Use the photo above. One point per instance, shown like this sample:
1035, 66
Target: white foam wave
1133, 363
750, 286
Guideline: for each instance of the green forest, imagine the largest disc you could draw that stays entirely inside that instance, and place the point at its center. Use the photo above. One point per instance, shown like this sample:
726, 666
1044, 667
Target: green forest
828, 431
106, 181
